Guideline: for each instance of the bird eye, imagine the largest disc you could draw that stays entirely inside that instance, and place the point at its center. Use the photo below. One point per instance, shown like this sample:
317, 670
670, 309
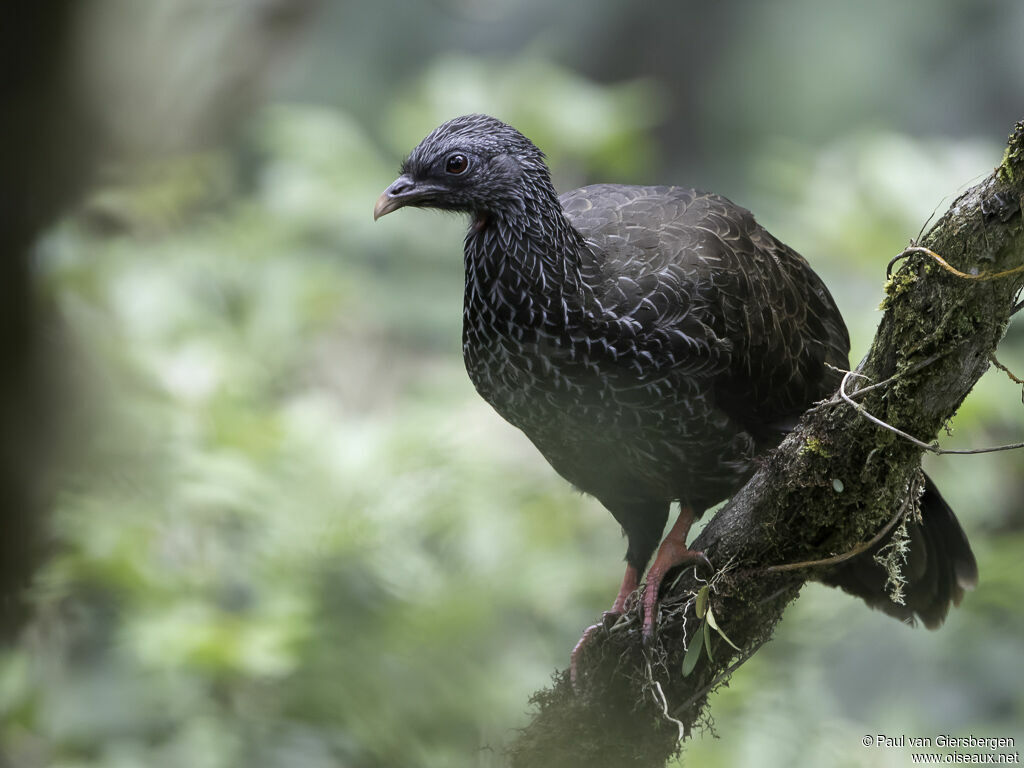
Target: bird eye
456, 164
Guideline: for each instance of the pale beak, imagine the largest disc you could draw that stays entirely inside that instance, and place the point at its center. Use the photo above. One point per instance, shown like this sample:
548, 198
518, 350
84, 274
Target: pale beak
402, 191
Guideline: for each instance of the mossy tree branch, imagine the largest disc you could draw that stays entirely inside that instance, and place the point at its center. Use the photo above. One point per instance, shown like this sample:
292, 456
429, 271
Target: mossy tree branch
833, 483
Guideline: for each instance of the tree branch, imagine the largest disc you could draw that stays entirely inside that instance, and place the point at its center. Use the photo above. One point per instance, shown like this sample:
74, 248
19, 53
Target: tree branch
831, 485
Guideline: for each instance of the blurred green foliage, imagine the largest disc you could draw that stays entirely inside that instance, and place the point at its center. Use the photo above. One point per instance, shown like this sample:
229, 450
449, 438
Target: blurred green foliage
292, 534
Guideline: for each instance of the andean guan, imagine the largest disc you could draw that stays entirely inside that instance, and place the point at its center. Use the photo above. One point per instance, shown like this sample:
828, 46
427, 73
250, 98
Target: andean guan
652, 342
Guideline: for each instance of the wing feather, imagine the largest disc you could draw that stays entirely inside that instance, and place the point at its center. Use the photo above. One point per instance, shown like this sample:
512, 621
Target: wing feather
717, 293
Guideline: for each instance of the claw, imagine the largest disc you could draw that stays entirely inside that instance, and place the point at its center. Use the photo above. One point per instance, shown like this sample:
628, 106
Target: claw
668, 557
608, 619
672, 552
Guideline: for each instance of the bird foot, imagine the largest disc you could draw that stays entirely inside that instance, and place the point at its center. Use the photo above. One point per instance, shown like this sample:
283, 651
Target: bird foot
608, 619
671, 555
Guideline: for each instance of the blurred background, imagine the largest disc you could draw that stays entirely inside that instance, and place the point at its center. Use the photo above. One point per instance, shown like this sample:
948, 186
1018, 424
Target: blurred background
283, 530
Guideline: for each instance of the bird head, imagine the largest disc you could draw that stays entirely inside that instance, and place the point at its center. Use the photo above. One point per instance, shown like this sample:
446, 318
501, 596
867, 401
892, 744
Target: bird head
473, 164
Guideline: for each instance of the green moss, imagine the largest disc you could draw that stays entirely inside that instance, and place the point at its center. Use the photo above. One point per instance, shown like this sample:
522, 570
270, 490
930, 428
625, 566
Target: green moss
897, 284
815, 446
1011, 157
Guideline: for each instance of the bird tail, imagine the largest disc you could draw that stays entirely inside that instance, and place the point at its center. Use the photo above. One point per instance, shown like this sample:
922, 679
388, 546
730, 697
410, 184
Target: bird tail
939, 567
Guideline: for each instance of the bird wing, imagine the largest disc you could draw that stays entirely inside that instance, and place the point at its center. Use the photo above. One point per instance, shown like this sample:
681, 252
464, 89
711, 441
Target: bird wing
706, 282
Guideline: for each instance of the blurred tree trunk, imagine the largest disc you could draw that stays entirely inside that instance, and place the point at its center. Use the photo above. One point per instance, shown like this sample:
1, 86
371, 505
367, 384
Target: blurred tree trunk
938, 333
45, 152
85, 81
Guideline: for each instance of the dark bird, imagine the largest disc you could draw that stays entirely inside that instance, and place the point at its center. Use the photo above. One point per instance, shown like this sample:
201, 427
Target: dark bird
652, 342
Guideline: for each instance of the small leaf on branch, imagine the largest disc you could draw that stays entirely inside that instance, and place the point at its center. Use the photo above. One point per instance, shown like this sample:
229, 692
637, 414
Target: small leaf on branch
707, 642
718, 629
693, 651
702, 601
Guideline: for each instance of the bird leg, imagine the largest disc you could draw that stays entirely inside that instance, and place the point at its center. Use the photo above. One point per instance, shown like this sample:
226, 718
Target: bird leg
672, 552
630, 581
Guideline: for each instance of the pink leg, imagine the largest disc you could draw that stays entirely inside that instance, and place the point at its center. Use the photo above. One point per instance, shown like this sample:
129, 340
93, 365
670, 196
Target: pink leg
672, 552
630, 581
629, 585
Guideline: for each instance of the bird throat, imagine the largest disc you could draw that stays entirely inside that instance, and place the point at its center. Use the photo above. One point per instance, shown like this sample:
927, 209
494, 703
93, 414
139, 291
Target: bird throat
524, 300
524, 269
479, 222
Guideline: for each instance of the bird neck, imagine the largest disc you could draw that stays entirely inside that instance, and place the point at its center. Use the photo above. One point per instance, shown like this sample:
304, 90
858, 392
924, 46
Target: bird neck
526, 257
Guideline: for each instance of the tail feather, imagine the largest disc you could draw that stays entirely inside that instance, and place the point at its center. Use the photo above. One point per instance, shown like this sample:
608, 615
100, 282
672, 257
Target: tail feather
940, 567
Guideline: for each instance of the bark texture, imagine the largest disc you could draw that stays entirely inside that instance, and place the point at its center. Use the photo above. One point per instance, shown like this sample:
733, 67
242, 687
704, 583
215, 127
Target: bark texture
832, 484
